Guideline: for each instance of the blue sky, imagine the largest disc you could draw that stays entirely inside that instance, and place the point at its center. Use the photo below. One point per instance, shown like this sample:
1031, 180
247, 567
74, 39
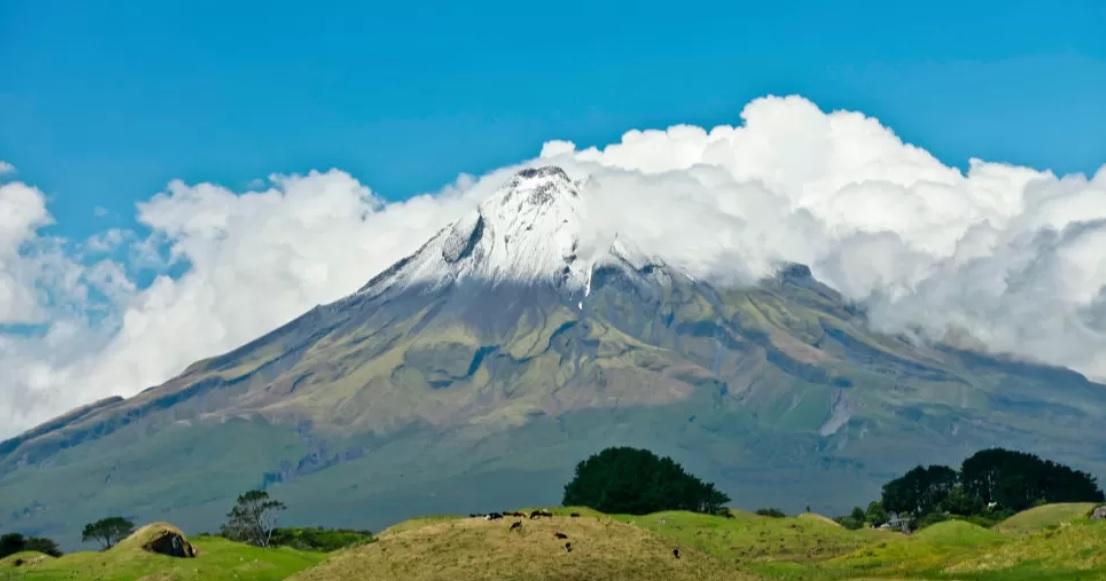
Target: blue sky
102, 103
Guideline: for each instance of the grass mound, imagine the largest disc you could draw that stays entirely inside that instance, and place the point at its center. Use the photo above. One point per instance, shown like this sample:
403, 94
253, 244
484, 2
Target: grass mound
24, 559
746, 537
1042, 517
1070, 551
218, 559
819, 518
956, 533
158, 537
474, 548
922, 554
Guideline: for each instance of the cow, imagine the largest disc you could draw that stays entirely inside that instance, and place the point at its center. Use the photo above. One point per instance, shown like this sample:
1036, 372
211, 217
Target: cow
517, 526
540, 513
493, 516
568, 547
575, 515
676, 552
560, 535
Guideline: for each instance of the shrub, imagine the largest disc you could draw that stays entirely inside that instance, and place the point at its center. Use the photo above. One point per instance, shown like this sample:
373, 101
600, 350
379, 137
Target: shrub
12, 543
319, 539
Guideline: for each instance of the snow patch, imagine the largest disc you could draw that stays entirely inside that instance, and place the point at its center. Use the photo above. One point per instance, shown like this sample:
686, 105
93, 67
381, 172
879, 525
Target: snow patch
528, 232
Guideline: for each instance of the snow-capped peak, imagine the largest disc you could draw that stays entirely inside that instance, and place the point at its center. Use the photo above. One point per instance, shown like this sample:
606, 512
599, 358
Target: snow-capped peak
528, 231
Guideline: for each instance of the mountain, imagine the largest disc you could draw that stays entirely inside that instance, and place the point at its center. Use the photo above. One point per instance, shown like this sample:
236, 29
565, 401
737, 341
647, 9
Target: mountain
475, 373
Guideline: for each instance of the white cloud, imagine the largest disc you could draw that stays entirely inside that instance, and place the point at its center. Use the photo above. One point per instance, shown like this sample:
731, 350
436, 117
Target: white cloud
6, 167
256, 260
1009, 255
22, 212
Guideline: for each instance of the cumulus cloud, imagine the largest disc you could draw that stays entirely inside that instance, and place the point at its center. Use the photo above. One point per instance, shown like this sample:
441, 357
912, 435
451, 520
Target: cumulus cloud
253, 261
1009, 256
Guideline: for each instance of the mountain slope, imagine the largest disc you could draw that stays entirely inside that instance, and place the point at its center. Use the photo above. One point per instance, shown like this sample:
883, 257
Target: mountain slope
475, 373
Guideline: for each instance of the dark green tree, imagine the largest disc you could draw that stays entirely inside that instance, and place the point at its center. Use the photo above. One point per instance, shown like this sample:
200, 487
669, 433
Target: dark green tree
12, 543
854, 520
960, 502
42, 545
876, 515
107, 531
920, 491
629, 480
253, 518
1017, 480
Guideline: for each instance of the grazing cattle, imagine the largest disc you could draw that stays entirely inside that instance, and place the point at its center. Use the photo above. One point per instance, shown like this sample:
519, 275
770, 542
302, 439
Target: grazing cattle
541, 514
517, 526
494, 516
568, 547
676, 552
515, 514
560, 535
575, 515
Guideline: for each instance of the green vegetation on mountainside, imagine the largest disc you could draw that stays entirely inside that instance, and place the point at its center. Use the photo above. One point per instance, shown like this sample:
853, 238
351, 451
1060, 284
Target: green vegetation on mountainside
362, 413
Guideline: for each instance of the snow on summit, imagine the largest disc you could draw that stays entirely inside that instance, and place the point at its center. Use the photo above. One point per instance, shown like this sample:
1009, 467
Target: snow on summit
529, 231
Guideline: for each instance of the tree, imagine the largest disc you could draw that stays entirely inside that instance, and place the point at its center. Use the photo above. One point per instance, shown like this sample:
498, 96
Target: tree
771, 512
12, 543
628, 480
920, 491
253, 518
854, 520
1017, 480
960, 502
107, 531
876, 515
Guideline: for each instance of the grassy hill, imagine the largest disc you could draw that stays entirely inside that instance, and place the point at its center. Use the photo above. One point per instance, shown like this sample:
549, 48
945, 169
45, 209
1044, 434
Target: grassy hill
218, 559
1050, 542
1042, 517
473, 548
745, 546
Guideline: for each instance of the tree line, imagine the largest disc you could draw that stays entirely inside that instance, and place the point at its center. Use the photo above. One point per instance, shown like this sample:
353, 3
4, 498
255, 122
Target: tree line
989, 486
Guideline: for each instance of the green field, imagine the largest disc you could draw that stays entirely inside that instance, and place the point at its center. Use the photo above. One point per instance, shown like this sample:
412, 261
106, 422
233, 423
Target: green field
1049, 542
